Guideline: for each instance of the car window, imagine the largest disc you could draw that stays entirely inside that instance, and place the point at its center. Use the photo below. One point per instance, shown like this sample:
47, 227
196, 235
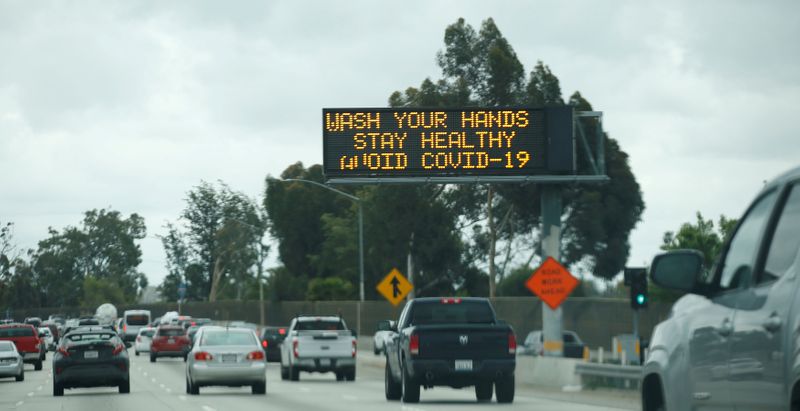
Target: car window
328, 325
16, 332
172, 332
737, 267
569, 338
785, 242
91, 337
137, 319
147, 333
461, 313
212, 338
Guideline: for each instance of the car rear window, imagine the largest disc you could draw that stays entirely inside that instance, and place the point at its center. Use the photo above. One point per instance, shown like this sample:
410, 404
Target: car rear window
137, 319
465, 312
171, 332
82, 337
147, 333
16, 332
327, 325
212, 338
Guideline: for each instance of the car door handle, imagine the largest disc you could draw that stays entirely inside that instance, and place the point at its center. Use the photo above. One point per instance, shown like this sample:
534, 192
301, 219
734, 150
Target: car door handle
726, 328
773, 323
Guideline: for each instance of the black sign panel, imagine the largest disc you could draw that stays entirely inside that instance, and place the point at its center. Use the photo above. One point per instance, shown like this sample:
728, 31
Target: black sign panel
385, 143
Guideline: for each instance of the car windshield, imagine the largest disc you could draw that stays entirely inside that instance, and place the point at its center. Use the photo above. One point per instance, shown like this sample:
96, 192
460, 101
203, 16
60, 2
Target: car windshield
214, 338
137, 319
171, 332
327, 325
16, 332
465, 312
6, 346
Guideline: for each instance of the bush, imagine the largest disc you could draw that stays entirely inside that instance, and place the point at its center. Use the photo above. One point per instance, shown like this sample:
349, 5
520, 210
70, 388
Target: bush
330, 288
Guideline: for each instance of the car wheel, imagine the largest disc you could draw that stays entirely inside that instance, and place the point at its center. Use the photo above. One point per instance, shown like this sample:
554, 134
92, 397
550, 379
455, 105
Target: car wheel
152, 358
294, 373
284, 373
58, 390
376, 351
125, 387
185, 356
410, 388
339, 376
21, 376
37, 366
504, 389
350, 375
259, 388
483, 391
188, 387
392, 388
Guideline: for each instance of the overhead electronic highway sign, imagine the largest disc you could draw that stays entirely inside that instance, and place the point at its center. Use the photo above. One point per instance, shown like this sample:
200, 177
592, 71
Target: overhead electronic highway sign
447, 145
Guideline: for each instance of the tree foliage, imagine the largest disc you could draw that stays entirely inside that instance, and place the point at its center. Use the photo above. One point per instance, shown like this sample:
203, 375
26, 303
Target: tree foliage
702, 236
219, 247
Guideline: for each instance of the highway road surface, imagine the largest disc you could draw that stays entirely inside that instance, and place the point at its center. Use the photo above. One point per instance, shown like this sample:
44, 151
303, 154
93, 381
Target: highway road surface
161, 386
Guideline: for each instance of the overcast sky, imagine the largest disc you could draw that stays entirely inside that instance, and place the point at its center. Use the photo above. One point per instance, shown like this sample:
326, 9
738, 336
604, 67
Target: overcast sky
130, 104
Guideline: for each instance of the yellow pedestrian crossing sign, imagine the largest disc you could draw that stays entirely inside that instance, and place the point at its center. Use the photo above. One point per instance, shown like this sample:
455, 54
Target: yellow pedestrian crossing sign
394, 287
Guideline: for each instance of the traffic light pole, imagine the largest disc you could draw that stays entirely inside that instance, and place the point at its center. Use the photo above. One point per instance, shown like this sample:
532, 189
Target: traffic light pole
553, 345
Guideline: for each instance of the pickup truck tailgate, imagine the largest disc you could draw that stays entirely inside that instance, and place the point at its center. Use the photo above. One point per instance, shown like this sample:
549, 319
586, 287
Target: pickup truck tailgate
324, 344
462, 342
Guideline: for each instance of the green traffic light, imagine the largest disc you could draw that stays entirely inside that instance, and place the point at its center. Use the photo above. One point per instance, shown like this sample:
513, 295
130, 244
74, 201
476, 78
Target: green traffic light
640, 299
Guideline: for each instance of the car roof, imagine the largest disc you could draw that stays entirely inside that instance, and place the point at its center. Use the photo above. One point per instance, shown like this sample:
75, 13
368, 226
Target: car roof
16, 325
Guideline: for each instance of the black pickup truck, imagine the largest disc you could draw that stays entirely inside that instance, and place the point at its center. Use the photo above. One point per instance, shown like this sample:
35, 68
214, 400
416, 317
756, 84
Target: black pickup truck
455, 342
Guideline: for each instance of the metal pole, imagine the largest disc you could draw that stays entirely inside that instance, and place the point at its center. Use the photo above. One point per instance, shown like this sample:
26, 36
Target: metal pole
551, 247
360, 253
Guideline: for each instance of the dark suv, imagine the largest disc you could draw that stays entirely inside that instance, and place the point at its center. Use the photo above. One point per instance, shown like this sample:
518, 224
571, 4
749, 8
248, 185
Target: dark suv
733, 341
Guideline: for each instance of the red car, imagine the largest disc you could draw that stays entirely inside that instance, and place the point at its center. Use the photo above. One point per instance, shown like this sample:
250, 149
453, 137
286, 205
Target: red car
26, 338
170, 341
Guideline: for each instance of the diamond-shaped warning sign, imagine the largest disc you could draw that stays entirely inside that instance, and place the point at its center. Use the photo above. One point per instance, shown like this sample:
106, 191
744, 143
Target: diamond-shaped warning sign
552, 283
394, 287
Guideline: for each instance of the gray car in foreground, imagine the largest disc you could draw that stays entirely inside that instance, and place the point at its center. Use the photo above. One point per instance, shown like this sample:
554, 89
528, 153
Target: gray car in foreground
733, 341
11, 364
224, 356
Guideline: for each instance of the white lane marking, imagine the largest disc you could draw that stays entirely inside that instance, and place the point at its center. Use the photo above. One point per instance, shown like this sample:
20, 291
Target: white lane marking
153, 380
305, 389
30, 394
349, 397
207, 408
19, 404
39, 388
182, 397
162, 386
145, 373
407, 408
169, 390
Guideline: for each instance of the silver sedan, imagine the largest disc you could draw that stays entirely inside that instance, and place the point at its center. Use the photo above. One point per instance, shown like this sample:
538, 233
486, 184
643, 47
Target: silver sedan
11, 361
226, 357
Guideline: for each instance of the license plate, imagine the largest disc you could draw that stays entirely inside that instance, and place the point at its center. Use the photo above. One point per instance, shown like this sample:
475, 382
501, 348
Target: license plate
229, 358
90, 354
325, 363
170, 341
463, 365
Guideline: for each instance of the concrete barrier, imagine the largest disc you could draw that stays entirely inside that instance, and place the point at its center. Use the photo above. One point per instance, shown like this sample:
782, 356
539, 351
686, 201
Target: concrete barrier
547, 372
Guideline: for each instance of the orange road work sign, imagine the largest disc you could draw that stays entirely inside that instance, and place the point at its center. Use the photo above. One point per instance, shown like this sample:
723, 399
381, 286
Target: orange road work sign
552, 283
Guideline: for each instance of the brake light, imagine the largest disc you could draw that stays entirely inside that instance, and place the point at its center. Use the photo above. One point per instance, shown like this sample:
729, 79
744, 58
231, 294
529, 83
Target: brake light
124, 328
354, 348
451, 300
413, 344
118, 349
203, 356
256, 356
282, 331
139, 339
512, 343
63, 351
294, 348
264, 343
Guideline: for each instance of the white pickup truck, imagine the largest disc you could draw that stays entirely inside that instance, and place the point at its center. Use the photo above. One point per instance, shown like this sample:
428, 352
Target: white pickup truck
318, 344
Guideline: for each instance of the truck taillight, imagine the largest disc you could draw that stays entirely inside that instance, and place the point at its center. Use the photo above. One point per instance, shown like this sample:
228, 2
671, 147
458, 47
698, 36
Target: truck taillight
294, 348
451, 300
355, 344
512, 343
413, 344
124, 328
264, 343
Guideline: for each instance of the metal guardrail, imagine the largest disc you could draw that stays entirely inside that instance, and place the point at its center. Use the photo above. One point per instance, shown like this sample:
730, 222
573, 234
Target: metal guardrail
628, 372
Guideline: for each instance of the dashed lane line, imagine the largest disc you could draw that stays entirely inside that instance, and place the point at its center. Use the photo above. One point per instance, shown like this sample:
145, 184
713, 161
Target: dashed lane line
19, 404
349, 397
30, 394
182, 397
207, 408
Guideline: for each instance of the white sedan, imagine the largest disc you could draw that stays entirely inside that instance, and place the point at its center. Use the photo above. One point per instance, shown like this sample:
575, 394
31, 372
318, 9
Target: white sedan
143, 340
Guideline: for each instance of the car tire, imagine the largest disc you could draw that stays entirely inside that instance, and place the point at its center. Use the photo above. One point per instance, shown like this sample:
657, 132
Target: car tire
376, 351
504, 389
37, 366
392, 388
185, 357
294, 374
339, 375
137, 353
410, 388
125, 387
20, 377
152, 358
58, 390
284, 373
259, 388
350, 375
188, 387
484, 391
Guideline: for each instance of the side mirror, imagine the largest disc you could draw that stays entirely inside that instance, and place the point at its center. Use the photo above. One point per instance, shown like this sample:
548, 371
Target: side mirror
384, 325
393, 326
678, 269
42, 335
